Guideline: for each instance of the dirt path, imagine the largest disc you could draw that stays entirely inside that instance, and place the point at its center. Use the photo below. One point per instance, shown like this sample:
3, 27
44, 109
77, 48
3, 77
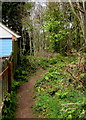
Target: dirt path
25, 95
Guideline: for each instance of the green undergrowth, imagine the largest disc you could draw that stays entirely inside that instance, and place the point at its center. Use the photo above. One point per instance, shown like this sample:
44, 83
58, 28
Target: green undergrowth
30, 64
56, 96
10, 102
41, 62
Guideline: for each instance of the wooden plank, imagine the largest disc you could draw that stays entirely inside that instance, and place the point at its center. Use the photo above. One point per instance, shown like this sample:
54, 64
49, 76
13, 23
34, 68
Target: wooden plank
4, 73
9, 77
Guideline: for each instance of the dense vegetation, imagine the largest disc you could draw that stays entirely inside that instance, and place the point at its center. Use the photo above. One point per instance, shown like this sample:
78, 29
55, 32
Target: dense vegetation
58, 95
54, 38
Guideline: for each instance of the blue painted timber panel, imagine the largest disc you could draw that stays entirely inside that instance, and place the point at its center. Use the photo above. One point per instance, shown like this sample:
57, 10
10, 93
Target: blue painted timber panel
5, 47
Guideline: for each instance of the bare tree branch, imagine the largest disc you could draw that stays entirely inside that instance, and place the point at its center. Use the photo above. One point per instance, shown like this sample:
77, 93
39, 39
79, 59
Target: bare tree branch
74, 10
79, 7
81, 14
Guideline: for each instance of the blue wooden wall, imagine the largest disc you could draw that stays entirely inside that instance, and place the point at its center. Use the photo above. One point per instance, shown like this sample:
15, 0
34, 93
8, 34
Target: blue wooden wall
5, 47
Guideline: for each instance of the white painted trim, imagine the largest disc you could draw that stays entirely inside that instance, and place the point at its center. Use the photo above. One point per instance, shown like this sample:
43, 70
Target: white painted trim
8, 30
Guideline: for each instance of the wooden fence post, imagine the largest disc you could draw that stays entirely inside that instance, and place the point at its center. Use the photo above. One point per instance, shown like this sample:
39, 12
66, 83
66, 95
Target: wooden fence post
15, 55
9, 77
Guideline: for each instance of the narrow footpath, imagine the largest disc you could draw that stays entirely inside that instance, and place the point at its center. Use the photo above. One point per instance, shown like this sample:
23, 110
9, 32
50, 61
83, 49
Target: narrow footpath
25, 97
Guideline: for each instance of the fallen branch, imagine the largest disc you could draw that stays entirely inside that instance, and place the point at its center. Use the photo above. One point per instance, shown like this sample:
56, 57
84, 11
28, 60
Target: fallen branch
71, 104
74, 77
68, 109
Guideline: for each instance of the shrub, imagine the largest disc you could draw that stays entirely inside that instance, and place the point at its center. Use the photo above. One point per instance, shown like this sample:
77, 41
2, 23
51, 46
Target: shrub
9, 106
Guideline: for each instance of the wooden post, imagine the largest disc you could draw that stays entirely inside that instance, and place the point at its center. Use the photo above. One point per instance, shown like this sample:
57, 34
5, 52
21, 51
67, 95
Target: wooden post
15, 55
9, 77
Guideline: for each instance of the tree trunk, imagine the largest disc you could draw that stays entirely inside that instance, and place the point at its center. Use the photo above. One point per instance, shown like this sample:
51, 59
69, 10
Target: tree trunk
85, 25
81, 15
